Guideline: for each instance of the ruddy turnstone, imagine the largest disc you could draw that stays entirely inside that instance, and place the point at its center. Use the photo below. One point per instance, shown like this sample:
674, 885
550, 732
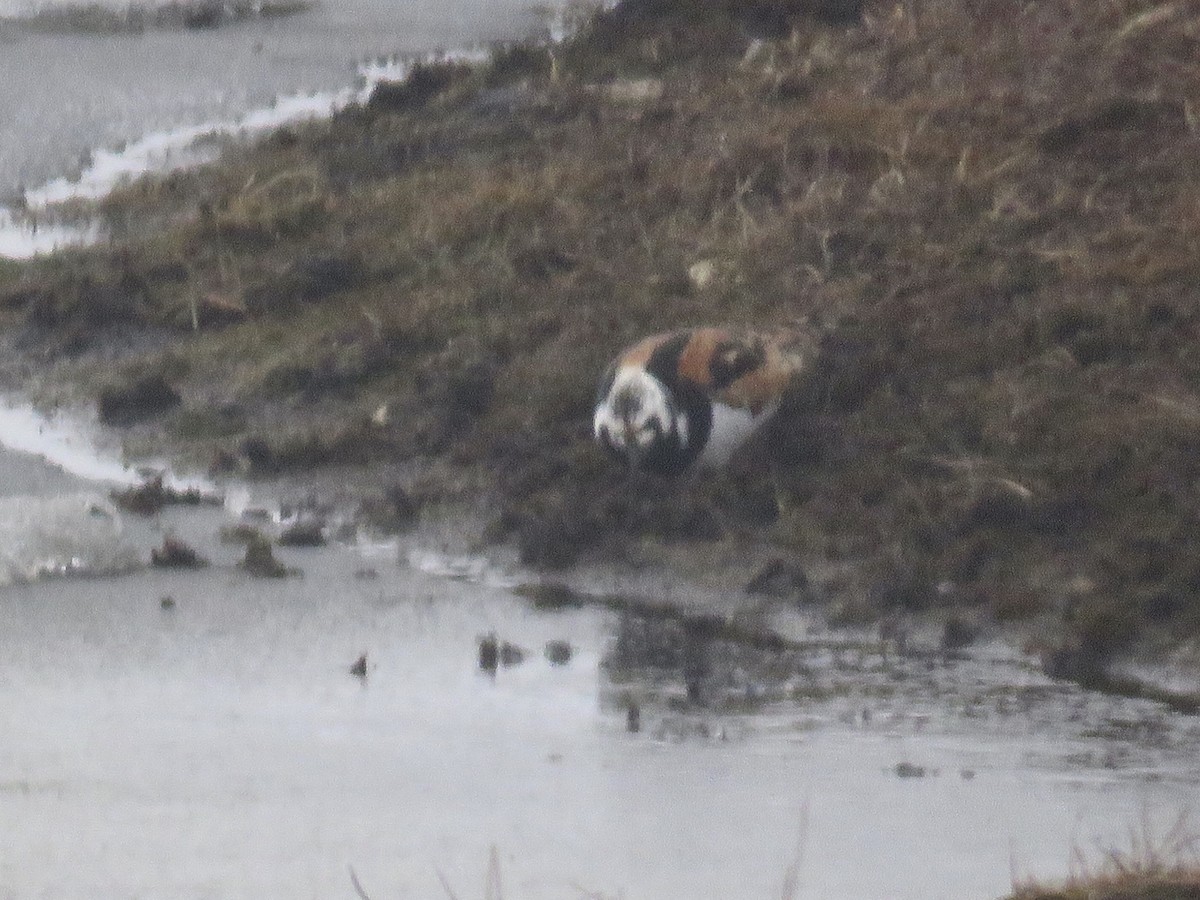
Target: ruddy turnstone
691, 398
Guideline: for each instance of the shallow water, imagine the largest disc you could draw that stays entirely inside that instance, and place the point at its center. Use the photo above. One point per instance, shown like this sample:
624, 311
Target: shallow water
65, 96
221, 748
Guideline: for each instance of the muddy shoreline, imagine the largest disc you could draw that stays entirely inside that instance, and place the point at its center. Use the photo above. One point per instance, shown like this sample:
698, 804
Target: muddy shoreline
420, 292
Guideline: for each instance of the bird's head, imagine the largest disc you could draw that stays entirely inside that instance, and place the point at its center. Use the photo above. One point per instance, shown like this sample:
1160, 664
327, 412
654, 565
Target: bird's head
635, 416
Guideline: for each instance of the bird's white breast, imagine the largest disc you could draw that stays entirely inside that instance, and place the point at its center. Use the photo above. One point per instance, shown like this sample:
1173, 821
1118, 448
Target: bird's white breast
731, 427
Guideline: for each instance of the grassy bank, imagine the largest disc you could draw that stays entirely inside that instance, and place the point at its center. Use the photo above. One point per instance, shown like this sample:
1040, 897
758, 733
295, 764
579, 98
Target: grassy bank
989, 210
1120, 889
1154, 867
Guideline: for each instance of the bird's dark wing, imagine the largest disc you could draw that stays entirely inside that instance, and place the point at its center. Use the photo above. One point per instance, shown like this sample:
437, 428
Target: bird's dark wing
765, 365
744, 369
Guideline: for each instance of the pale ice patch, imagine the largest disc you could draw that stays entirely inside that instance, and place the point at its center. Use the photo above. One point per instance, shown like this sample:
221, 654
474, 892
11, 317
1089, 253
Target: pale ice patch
74, 534
70, 444
22, 239
165, 151
177, 148
462, 567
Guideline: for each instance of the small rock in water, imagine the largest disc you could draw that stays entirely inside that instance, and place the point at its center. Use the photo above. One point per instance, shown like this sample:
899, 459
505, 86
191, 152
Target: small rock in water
511, 654
366, 574
149, 497
307, 533
167, 603
359, 669
260, 561
392, 512
633, 717
489, 654
240, 533
957, 634
550, 596
145, 500
175, 554
558, 652
910, 770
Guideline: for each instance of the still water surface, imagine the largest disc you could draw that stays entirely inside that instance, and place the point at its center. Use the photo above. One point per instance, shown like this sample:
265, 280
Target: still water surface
222, 748
65, 95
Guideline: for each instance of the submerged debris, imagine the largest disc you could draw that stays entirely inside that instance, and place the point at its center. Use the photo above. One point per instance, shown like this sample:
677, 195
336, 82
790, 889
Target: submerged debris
260, 560
175, 554
306, 533
241, 533
633, 717
393, 511
489, 653
552, 595
359, 669
494, 653
558, 652
511, 654
150, 497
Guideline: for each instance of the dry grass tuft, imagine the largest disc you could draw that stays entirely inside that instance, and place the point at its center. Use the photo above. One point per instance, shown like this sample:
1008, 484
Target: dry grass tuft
1154, 865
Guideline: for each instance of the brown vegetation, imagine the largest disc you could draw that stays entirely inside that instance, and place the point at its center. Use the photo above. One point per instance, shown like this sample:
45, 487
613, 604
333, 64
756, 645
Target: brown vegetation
990, 208
1156, 865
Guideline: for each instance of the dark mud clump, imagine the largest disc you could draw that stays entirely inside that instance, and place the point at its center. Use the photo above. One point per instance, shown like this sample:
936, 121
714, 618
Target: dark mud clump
552, 596
393, 511
148, 397
152, 496
305, 533
559, 652
261, 562
175, 554
426, 82
489, 654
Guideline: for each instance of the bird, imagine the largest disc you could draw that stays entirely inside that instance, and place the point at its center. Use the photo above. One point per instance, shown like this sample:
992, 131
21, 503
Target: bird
688, 399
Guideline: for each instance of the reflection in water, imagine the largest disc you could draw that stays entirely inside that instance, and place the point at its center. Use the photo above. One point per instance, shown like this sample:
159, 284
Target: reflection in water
188, 734
222, 746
